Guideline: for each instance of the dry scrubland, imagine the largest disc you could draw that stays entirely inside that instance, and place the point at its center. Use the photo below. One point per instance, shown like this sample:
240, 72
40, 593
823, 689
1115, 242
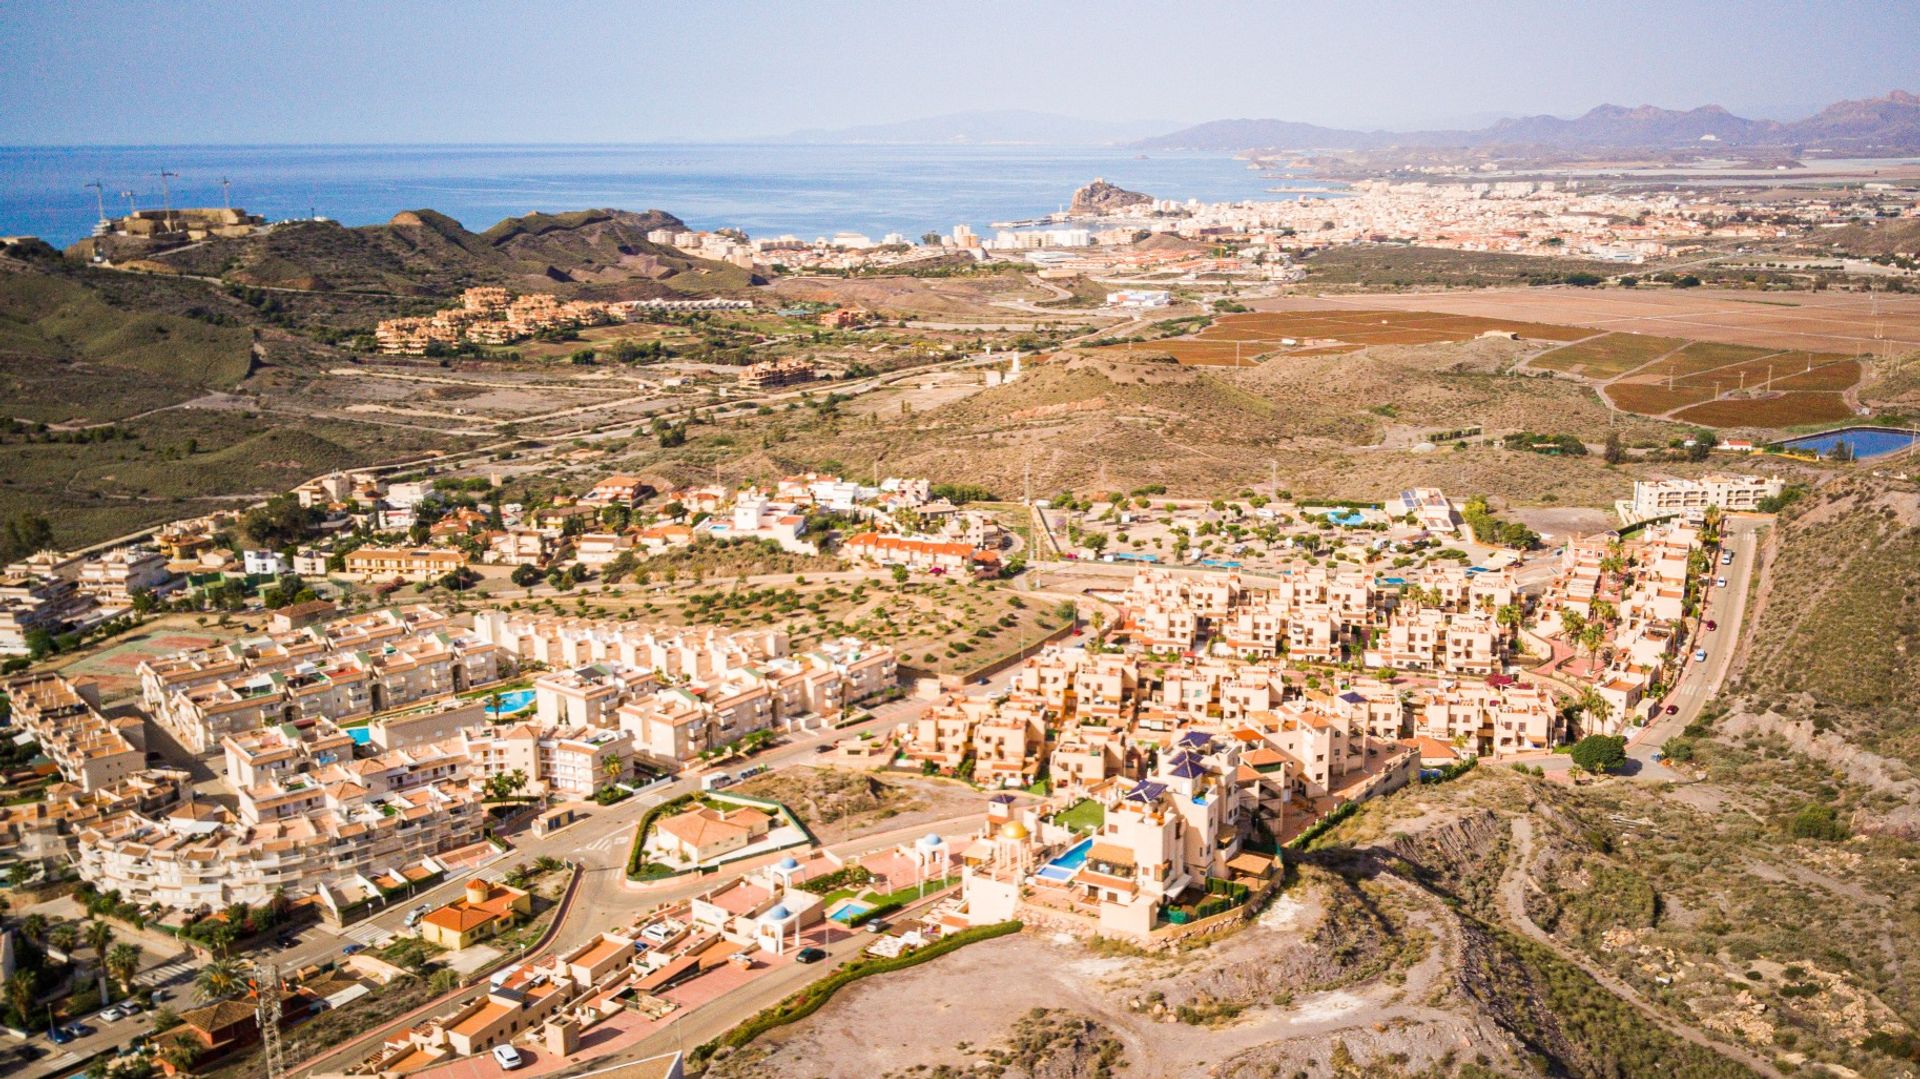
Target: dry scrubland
1106, 421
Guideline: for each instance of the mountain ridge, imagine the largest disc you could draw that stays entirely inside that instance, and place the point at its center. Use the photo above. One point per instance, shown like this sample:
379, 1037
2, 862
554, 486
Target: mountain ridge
1886, 124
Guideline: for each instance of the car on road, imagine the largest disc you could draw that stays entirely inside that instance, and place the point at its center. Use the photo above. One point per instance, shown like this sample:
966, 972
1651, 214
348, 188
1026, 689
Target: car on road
352, 949
1699, 655
810, 955
1712, 625
115, 1013
824, 747
79, 1030
59, 1036
1726, 558
413, 916
507, 1057
1719, 582
1673, 709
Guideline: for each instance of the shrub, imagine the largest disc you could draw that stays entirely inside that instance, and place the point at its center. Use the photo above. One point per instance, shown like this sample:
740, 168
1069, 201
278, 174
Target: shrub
1600, 753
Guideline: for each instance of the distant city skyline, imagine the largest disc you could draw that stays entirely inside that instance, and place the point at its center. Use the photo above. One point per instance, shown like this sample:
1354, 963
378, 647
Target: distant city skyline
214, 71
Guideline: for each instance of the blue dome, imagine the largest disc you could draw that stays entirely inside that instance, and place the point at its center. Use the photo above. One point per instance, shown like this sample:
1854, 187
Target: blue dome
789, 862
779, 913
932, 839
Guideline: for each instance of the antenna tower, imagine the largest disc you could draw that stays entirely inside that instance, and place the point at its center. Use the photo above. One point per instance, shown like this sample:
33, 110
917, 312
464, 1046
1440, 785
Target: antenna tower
266, 985
99, 197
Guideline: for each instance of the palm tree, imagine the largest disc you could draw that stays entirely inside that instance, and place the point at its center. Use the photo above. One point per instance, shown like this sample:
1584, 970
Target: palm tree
614, 767
218, 980
180, 1052
123, 962
34, 926
100, 937
64, 938
21, 993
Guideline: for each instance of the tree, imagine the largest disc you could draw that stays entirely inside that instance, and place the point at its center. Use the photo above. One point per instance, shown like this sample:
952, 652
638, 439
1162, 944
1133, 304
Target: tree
218, 980
1600, 753
282, 522
1614, 452
21, 992
444, 981
526, 575
63, 938
614, 767
25, 534
123, 962
899, 575
180, 1052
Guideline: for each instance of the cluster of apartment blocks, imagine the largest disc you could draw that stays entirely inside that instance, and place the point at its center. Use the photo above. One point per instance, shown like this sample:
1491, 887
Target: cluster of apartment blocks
1643, 580
488, 316
678, 693
1164, 837
338, 670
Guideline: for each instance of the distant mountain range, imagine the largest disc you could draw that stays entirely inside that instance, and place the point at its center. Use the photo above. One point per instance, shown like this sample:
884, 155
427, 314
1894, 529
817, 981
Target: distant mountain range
1007, 127
1878, 126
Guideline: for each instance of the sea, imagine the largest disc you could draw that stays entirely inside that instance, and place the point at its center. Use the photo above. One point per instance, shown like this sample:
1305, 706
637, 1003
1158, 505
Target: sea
807, 191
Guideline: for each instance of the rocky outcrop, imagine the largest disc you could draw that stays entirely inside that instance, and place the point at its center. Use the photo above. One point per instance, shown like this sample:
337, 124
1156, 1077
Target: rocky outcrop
1101, 197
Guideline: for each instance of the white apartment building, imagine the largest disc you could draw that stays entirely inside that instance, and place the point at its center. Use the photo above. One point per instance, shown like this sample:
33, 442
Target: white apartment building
1690, 498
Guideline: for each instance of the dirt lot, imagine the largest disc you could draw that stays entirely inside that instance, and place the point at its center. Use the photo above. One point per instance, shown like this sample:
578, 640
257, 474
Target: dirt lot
1823, 322
840, 803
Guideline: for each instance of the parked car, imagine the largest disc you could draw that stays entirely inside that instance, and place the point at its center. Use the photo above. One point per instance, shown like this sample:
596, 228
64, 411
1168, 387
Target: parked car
1726, 558
507, 1057
79, 1030
1673, 709
417, 913
1699, 655
59, 1036
1712, 625
352, 949
824, 747
1719, 582
810, 955
115, 1013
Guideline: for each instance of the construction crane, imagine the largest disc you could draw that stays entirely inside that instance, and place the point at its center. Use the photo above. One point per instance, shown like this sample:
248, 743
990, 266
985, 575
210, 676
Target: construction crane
128, 195
166, 196
266, 1012
99, 198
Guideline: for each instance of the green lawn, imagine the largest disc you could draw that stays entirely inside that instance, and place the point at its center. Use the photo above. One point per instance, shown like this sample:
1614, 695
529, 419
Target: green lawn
1086, 815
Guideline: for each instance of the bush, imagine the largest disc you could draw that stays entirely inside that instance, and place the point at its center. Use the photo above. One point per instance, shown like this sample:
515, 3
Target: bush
1600, 753
1815, 821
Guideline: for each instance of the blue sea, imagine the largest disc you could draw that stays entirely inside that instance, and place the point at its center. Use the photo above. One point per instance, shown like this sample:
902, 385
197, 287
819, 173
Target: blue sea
768, 190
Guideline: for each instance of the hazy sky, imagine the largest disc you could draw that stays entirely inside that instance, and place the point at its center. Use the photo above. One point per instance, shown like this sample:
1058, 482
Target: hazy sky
89, 71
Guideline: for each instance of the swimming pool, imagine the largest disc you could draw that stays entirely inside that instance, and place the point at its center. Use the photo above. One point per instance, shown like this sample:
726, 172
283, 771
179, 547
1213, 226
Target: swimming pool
1347, 517
361, 735
850, 910
1863, 441
518, 700
1064, 867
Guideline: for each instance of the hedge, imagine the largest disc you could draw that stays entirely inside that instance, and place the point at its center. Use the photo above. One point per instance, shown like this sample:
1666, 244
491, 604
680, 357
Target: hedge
637, 857
810, 999
1323, 825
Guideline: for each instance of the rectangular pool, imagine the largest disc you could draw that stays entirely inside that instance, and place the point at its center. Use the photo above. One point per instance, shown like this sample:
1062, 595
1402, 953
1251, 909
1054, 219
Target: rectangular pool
1064, 867
848, 911
1864, 442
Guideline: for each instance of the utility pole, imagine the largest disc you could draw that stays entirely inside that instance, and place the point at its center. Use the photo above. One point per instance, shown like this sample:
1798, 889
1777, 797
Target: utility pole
99, 198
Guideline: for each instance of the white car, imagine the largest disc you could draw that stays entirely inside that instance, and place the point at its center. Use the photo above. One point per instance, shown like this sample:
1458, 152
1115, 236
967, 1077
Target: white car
1719, 582
507, 1057
1700, 655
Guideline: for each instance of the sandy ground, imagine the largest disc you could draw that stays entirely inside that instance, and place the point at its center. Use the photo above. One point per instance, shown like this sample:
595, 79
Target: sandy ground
964, 1003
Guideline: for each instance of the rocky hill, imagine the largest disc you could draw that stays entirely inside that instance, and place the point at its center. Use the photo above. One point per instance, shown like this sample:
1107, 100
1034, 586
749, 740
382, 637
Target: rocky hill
1101, 197
425, 253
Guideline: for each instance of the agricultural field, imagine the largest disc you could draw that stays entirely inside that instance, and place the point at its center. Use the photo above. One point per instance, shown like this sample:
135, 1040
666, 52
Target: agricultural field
1244, 338
1607, 356
1793, 409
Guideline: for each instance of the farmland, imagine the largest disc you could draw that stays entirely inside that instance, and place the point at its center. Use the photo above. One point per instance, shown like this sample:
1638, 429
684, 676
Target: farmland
1243, 338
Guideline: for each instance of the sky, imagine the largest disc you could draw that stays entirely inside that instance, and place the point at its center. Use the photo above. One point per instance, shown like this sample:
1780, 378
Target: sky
351, 71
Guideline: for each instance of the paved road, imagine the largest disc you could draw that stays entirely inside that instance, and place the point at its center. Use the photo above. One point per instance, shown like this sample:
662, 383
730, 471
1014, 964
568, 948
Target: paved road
1699, 681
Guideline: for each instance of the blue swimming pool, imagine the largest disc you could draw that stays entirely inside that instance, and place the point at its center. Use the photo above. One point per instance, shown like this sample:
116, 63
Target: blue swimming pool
518, 700
361, 735
1347, 517
1064, 867
849, 910
1863, 441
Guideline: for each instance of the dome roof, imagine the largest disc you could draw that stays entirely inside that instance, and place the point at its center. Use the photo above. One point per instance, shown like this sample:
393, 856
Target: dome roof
1013, 829
779, 913
931, 839
789, 862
